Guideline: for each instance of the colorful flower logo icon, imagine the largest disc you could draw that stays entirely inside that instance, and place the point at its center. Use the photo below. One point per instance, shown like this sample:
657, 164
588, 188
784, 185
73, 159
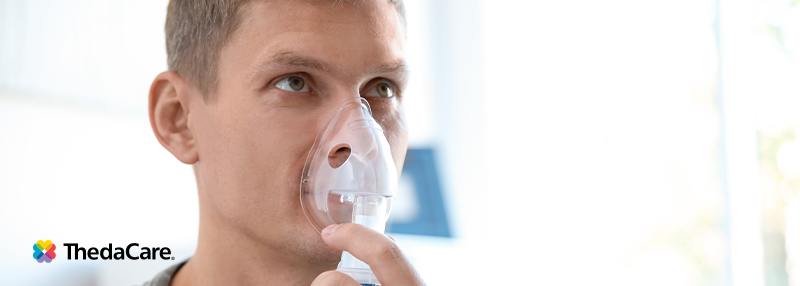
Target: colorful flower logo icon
44, 251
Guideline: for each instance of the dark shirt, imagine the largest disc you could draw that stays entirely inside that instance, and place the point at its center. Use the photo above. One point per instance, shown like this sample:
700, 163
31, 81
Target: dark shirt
165, 277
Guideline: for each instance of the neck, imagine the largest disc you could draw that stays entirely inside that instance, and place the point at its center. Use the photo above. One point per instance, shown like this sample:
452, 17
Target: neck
227, 256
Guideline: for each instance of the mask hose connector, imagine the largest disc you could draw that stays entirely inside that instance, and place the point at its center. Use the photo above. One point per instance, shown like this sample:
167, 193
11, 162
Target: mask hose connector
369, 211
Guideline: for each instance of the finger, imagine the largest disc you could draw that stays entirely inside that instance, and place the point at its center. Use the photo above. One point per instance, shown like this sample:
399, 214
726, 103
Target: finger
334, 278
381, 253
392, 238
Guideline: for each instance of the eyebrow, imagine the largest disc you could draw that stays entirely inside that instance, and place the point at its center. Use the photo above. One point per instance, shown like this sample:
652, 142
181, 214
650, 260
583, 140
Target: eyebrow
290, 59
397, 67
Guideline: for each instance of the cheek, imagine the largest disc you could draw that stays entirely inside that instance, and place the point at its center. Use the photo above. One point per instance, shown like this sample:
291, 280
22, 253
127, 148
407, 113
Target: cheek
281, 141
229, 152
252, 159
392, 121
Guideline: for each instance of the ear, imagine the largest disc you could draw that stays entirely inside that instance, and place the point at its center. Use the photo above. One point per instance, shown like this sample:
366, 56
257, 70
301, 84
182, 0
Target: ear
169, 116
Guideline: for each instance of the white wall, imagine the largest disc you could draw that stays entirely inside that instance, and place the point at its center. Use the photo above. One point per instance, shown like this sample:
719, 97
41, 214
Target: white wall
78, 161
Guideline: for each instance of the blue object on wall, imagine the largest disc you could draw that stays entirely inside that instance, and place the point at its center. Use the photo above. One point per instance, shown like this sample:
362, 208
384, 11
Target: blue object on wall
431, 220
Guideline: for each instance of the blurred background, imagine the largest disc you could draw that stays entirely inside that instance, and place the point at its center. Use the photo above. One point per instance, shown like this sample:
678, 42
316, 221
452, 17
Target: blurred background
617, 142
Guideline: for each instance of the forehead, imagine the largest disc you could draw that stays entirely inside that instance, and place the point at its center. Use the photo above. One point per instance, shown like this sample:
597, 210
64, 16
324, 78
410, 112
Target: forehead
347, 35
321, 14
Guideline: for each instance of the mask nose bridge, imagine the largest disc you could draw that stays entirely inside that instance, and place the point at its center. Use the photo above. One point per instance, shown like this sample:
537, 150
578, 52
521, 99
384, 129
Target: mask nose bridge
339, 97
357, 131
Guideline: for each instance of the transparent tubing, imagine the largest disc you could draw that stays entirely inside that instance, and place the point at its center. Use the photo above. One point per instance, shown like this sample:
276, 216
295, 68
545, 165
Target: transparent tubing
357, 190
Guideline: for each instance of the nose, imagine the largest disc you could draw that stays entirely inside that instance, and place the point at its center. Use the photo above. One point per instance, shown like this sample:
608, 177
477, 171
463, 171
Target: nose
342, 92
354, 134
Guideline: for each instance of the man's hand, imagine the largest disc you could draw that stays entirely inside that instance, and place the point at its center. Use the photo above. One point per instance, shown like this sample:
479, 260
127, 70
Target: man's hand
381, 253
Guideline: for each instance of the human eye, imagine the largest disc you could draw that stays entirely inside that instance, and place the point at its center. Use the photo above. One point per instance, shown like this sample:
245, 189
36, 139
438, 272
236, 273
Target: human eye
383, 89
293, 84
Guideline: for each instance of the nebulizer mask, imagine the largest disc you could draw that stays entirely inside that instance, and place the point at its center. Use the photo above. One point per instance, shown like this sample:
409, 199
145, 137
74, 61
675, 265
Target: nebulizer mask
350, 177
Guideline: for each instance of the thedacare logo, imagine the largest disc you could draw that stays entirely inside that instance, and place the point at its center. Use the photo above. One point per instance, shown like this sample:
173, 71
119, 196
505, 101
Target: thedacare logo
44, 251
118, 253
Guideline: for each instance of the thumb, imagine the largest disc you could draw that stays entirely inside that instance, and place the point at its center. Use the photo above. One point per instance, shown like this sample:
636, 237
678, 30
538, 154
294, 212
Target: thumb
382, 254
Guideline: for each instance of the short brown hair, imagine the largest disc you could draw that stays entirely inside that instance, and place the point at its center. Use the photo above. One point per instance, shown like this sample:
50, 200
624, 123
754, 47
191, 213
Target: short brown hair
196, 31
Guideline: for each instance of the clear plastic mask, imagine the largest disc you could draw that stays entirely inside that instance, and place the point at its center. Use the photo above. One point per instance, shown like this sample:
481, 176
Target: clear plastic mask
349, 175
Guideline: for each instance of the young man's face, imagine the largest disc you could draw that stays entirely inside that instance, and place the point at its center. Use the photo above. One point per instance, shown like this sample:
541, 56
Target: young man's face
280, 77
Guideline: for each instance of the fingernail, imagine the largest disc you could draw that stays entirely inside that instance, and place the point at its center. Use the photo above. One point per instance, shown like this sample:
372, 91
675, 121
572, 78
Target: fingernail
329, 230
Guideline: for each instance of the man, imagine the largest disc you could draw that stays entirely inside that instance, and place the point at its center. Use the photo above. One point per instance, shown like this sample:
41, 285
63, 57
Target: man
250, 84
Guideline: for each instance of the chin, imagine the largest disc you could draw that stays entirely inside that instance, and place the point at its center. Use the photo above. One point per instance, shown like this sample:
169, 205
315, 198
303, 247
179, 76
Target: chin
308, 243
